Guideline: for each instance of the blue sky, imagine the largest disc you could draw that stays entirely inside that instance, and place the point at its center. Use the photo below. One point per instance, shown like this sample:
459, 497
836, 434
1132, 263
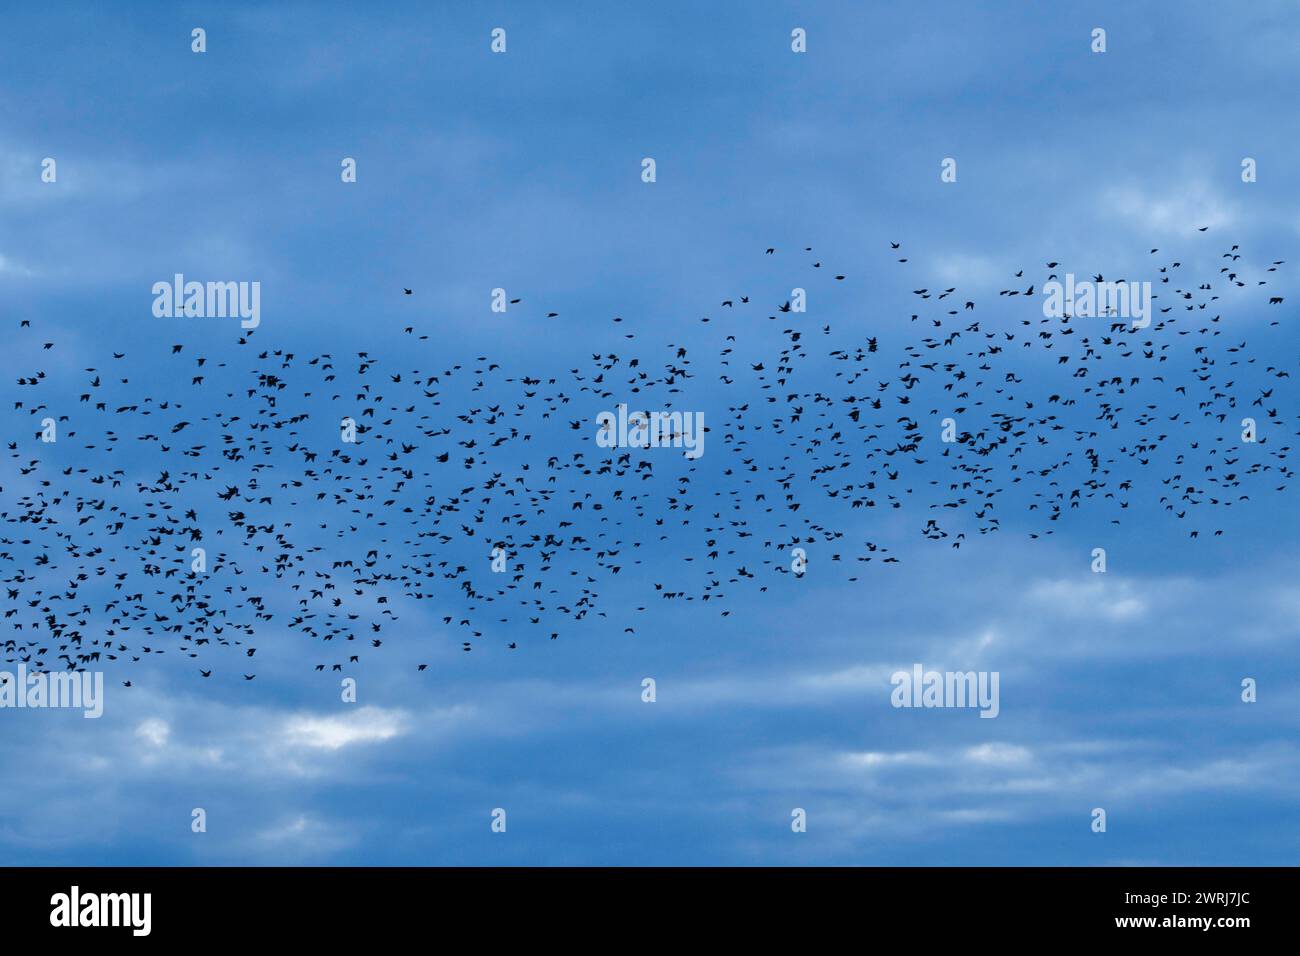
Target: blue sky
522, 171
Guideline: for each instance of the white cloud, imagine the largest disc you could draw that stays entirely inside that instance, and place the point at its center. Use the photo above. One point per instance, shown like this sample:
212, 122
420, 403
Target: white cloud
155, 731
965, 270
298, 835
365, 725
1092, 597
8, 267
997, 754
875, 758
1186, 206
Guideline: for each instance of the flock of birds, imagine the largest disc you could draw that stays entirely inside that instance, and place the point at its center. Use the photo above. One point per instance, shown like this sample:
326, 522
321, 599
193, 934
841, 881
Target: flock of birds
811, 446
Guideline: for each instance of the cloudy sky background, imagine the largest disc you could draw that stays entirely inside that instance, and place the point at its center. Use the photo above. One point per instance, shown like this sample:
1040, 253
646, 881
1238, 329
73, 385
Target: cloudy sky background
476, 171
